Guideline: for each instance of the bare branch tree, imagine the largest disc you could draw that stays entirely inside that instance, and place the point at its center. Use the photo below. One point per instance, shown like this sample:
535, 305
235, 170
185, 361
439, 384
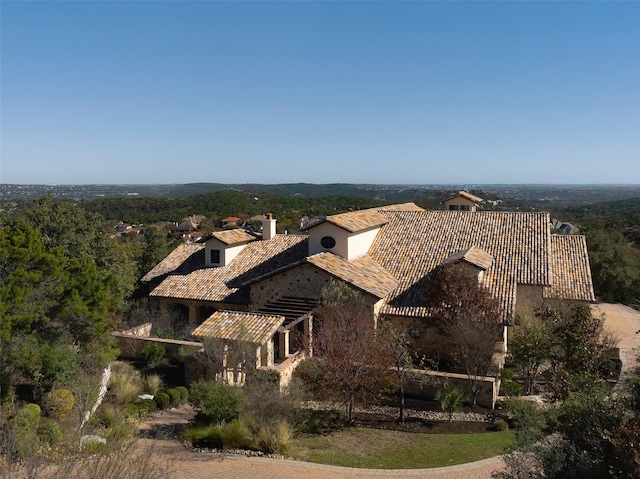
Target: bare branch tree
351, 362
471, 319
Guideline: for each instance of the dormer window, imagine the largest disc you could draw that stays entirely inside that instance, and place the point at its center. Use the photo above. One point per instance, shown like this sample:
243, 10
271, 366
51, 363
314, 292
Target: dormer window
328, 242
349, 235
223, 246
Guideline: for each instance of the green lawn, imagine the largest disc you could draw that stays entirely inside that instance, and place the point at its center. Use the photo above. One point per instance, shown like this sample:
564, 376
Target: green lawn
381, 449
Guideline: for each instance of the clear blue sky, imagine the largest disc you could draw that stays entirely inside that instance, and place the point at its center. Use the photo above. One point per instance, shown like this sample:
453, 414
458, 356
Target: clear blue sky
320, 92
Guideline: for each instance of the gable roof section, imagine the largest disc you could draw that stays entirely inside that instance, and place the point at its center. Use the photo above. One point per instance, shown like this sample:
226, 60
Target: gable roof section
232, 237
465, 195
400, 207
363, 272
239, 326
413, 244
192, 280
184, 256
474, 256
355, 221
571, 274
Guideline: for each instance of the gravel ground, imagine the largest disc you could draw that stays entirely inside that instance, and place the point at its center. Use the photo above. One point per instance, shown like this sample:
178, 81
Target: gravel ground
410, 413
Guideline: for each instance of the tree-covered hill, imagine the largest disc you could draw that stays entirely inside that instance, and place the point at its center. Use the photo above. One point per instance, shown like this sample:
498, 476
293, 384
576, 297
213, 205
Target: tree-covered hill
220, 204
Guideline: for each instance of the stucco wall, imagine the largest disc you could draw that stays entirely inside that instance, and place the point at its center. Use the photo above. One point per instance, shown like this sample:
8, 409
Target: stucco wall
227, 253
348, 245
528, 298
460, 201
359, 244
327, 229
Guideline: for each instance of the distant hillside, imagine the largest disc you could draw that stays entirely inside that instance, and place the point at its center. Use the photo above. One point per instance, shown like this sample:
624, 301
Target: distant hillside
220, 204
540, 197
618, 214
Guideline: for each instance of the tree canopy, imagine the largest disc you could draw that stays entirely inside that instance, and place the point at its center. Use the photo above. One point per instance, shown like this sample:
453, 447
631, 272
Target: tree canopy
61, 291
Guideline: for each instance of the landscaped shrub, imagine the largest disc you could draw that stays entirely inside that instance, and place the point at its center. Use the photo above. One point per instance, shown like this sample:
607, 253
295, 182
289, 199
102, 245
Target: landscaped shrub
28, 415
109, 415
23, 430
174, 396
450, 398
527, 418
153, 354
184, 393
58, 403
48, 432
132, 409
204, 436
216, 401
509, 384
501, 425
126, 387
275, 438
152, 383
119, 431
162, 400
236, 435
147, 406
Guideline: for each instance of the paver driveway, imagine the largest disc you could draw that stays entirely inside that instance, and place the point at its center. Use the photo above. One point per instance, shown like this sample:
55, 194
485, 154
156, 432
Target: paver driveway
192, 465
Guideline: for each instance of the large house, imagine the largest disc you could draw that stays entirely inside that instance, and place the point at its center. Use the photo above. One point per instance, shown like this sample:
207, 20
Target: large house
237, 286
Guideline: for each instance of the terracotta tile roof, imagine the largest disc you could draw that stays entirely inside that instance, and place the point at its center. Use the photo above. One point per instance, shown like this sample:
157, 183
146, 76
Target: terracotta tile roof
363, 272
239, 326
357, 220
570, 272
465, 195
412, 244
514, 248
473, 255
224, 284
174, 260
232, 237
401, 207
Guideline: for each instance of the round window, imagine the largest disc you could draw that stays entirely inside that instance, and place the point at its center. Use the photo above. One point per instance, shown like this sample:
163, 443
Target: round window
328, 242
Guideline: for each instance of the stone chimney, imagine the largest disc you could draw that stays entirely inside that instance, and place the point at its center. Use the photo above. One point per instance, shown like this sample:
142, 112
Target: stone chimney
268, 227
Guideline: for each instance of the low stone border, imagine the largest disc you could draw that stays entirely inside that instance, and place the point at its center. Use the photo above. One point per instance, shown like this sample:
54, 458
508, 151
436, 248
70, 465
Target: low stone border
409, 413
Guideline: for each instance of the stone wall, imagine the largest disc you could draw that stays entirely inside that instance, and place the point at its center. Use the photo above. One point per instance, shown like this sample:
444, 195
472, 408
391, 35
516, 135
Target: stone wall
305, 281
430, 381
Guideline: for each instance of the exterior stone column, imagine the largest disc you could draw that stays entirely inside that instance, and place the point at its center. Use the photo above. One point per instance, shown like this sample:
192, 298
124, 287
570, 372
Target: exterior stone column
283, 338
193, 314
308, 333
270, 353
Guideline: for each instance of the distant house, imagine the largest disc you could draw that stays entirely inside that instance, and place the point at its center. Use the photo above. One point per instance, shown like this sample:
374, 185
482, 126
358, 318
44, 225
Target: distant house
268, 287
189, 224
563, 228
462, 201
229, 222
122, 227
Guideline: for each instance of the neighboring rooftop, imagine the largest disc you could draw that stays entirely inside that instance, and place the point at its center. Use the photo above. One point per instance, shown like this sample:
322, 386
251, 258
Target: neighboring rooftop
463, 194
